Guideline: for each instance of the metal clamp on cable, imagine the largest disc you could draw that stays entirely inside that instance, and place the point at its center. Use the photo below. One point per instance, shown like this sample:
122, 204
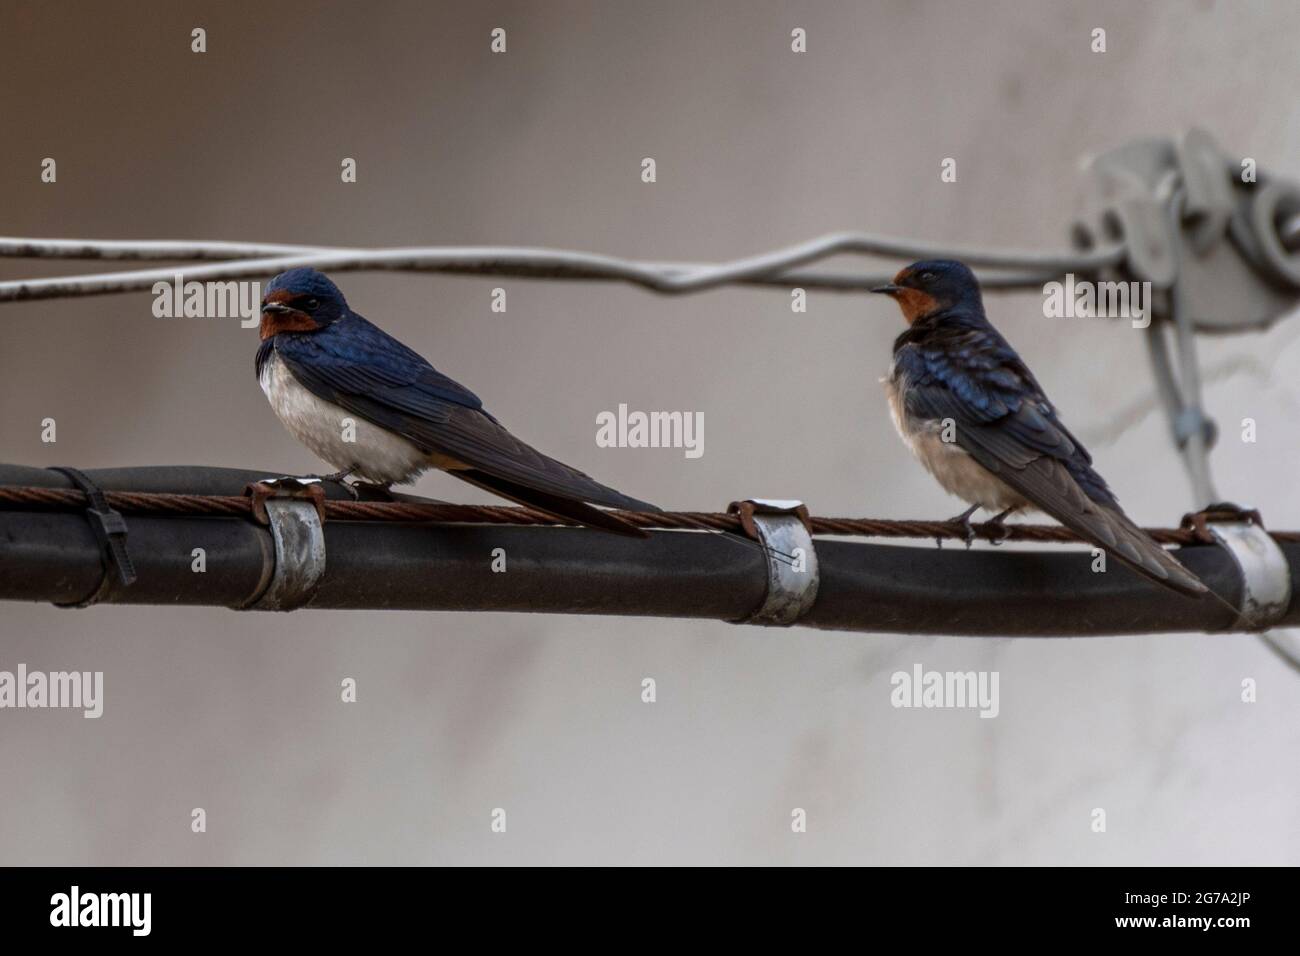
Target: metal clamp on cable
1265, 574
784, 529
294, 510
110, 530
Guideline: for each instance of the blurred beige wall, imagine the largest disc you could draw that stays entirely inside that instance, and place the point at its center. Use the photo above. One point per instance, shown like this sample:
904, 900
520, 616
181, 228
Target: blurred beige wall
756, 147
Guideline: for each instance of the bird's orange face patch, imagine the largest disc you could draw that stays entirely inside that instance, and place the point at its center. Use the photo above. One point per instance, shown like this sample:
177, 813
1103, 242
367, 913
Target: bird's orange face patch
915, 303
273, 323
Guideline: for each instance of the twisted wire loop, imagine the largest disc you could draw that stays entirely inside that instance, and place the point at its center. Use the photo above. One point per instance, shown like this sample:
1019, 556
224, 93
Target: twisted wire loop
176, 505
780, 267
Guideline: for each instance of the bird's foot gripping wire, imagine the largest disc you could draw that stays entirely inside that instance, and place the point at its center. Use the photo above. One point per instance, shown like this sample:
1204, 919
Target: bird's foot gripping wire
338, 478
999, 521
963, 522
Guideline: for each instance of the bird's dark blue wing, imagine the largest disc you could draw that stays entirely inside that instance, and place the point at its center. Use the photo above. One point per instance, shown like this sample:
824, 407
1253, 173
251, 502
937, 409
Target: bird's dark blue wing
974, 377
354, 357
362, 369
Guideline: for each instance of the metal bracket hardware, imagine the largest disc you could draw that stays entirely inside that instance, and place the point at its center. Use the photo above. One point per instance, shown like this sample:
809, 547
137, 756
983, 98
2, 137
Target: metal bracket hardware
1232, 246
1265, 574
785, 531
294, 510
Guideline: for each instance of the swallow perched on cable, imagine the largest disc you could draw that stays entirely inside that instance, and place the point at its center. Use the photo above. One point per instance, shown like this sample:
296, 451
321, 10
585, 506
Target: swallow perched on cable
1007, 447
321, 364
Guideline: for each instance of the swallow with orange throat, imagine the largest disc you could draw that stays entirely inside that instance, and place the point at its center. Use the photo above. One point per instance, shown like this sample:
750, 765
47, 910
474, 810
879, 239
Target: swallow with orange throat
970, 409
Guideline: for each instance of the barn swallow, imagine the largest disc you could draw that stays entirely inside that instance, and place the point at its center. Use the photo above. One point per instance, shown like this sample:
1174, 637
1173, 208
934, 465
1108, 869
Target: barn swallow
1007, 449
321, 364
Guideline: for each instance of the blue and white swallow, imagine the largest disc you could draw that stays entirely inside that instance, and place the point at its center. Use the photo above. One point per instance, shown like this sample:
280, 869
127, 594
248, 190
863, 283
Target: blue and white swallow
952, 371
320, 364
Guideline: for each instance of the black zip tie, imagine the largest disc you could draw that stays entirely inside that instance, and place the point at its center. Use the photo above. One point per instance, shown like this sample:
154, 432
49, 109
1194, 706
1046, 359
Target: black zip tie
110, 528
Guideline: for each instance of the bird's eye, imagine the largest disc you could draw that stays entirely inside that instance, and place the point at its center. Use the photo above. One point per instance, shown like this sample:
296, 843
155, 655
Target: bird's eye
926, 276
311, 304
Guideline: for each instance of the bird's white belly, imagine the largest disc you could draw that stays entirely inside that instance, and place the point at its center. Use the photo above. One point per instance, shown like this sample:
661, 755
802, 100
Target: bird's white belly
951, 465
343, 439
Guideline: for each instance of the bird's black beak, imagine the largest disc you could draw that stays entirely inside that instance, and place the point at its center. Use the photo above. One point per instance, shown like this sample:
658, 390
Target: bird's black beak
278, 308
890, 289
